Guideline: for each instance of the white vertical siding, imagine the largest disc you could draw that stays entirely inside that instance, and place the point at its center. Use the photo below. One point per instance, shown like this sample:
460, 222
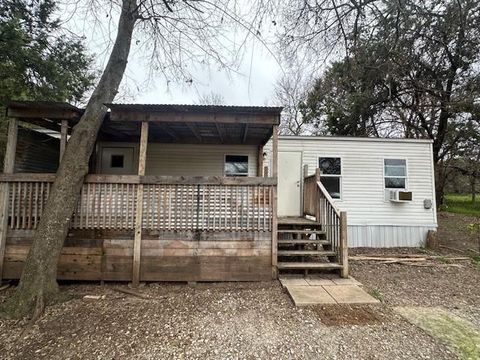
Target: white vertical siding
387, 236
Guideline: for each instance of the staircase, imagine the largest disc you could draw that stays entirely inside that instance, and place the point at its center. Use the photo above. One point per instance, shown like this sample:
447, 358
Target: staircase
318, 242
302, 246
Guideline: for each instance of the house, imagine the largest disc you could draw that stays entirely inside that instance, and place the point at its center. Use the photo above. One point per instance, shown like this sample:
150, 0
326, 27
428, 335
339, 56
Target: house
364, 177
209, 193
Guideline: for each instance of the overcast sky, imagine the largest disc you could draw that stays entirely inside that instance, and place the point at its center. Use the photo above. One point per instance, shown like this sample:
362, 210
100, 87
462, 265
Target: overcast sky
252, 84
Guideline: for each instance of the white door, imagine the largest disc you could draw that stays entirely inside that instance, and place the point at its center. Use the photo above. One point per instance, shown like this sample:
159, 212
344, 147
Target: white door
289, 177
118, 160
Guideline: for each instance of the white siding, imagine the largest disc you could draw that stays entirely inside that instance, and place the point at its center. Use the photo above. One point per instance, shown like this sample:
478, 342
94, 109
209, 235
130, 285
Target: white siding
387, 236
363, 194
194, 160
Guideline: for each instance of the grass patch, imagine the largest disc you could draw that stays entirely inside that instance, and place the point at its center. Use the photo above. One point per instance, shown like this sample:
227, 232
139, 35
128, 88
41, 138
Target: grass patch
376, 294
461, 204
456, 332
476, 261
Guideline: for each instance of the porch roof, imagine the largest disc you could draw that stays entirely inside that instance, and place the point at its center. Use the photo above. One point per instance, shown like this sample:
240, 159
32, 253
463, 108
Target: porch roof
169, 123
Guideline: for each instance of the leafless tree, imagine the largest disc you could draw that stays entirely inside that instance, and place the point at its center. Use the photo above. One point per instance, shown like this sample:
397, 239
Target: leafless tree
211, 98
175, 34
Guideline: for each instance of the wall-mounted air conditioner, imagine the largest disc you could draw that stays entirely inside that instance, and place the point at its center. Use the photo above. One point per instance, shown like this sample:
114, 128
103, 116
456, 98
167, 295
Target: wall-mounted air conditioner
400, 196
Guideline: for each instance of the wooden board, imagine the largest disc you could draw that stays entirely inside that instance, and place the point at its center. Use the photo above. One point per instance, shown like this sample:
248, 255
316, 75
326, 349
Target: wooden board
165, 256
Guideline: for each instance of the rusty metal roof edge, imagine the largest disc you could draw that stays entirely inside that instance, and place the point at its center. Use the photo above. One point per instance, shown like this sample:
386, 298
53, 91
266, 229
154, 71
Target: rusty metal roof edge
189, 108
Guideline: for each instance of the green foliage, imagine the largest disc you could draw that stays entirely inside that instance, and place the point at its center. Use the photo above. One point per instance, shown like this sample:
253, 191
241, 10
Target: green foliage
461, 204
412, 71
37, 61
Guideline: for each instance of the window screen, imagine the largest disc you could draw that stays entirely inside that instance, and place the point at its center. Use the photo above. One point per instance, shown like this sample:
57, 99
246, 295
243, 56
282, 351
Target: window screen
116, 161
395, 171
331, 175
236, 165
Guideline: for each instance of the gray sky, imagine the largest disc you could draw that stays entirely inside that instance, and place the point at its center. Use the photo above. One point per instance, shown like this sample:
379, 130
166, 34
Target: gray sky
251, 84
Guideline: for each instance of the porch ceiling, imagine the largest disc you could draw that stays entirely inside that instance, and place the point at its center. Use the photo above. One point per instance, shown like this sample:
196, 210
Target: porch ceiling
193, 124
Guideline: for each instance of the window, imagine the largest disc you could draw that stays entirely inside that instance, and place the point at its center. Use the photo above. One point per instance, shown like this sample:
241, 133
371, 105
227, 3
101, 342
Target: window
116, 161
331, 178
236, 165
395, 171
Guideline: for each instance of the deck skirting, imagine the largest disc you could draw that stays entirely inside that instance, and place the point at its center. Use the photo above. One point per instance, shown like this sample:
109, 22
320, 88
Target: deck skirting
104, 254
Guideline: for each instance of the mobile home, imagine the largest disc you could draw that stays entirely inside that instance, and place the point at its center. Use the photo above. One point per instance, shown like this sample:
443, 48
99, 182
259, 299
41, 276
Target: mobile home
209, 193
385, 185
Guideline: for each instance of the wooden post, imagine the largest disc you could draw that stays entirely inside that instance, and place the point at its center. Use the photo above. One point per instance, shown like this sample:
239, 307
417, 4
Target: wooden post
304, 189
343, 244
8, 167
137, 243
275, 151
63, 137
274, 201
260, 161
317, 174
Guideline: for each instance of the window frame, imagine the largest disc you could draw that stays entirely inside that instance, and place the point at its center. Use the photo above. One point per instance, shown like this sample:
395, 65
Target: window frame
385, 188
236, 175
333, 175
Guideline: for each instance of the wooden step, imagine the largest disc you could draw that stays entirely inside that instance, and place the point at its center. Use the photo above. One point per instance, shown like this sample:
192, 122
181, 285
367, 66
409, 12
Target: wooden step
308, 265
305, 252
302, 241
297, 221
320, 232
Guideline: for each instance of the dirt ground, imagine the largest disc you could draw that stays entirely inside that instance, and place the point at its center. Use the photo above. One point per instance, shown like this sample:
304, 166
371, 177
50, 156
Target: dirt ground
249, 320
210, 321
454, 235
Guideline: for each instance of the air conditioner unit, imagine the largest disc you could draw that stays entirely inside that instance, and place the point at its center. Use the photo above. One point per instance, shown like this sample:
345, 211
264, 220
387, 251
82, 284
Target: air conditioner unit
400, 196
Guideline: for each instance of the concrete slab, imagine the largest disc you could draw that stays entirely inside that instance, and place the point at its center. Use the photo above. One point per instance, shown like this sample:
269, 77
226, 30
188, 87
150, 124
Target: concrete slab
350, 294
349, 281
317, 281
309, 295
296, 281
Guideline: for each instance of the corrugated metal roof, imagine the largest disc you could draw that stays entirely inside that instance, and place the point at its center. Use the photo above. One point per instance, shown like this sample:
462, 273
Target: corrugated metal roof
197, 109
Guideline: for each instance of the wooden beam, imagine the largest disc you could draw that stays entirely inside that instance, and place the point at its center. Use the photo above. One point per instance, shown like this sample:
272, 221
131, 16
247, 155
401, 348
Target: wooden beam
139, 116
63, 137
148, 179
43, 113
260, 162
137, 242
245, 132
275, 151
343, 244
170, 132
274, 199
46, 124
194, 131
8, 168
220, 132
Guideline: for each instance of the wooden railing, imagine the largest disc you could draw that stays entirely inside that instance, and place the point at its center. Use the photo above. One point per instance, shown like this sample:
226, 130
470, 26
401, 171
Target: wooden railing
169, 203
318, 203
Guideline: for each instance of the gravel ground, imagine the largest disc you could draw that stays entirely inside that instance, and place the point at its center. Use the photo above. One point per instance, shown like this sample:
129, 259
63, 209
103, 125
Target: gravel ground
211, 321
455, 288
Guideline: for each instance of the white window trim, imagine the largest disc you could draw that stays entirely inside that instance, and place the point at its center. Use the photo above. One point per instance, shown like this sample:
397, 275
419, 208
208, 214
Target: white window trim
403, 177
332, 175
225, 160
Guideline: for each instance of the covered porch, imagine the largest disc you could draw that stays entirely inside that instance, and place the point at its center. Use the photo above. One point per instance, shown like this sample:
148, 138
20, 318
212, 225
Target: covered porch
175, 193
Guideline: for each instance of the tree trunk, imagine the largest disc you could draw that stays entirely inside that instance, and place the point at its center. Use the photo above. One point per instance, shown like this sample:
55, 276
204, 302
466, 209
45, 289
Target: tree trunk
440, 177
38, 285
473, 188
